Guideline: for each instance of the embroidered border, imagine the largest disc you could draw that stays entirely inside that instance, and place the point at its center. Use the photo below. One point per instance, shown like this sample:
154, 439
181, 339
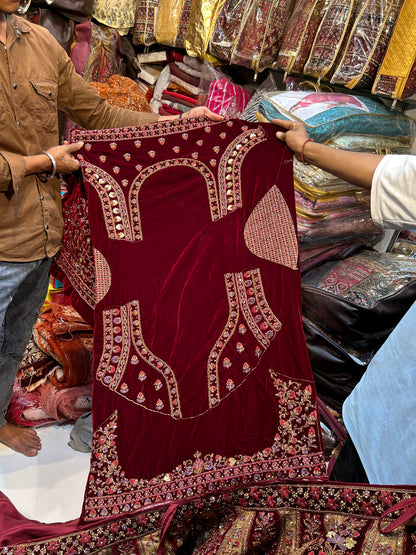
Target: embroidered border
124, 346
110, 492
247, 307
230, 168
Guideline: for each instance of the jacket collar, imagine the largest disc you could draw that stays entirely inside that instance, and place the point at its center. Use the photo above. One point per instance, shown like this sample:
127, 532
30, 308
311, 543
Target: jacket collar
19, 24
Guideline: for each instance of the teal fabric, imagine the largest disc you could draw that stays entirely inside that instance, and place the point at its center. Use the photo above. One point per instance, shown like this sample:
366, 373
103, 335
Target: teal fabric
327, 115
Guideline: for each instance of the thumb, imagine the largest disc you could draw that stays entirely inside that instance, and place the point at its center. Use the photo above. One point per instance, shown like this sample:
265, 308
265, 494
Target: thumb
74, 147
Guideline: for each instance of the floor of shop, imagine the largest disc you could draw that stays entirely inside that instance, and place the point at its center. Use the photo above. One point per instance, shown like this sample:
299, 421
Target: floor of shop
49, 487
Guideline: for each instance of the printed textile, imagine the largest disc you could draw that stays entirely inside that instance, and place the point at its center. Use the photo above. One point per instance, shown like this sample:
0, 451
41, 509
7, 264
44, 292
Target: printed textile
300, 34
202, 381
329, 41
144, 25
172, 22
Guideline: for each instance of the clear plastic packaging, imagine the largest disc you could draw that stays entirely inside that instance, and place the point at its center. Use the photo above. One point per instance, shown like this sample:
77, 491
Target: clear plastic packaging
172, 22
226, 28
145, 22
330, 38
396, 76
261, 33
299, 35
367, 43
201, 22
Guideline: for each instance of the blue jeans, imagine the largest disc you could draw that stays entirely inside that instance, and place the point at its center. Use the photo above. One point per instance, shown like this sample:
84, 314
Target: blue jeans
23, 288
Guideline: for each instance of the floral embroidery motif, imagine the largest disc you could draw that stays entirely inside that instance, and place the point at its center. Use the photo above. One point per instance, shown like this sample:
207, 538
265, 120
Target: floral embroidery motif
102, 275
111, 492
230, 361
123, 340
76, 261
270, 232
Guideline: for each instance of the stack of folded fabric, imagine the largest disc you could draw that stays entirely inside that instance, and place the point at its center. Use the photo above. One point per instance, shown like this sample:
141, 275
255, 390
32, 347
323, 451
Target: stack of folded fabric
178, 88
333, 216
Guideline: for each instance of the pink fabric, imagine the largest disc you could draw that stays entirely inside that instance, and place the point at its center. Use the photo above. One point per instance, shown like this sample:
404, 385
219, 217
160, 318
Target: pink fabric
226, 98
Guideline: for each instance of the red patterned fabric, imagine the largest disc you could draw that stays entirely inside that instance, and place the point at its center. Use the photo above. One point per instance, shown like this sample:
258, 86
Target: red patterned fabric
309, 519
197, 315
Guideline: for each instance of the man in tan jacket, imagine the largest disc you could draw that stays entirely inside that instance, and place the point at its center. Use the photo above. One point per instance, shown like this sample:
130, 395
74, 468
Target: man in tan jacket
36, 80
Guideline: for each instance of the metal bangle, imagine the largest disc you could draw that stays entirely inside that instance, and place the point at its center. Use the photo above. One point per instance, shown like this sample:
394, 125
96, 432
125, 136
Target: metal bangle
52, 159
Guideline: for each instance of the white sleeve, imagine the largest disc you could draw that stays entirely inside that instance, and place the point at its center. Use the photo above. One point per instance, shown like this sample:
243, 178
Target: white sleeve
393, 192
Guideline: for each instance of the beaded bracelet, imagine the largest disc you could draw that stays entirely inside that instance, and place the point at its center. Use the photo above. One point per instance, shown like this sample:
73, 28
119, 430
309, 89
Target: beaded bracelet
302, 151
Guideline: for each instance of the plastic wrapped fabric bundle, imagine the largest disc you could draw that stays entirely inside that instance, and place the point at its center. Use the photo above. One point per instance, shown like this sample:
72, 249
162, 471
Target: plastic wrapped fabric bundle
201, 21
396, 76
367, 43
330, 37
226, 98
375, 144
359, 300
327, 115
103, 59
315, 256
144, 25
268, 85
299, 35
118, 14
319, 183
260, 34
345, 227
226, 27
172, 21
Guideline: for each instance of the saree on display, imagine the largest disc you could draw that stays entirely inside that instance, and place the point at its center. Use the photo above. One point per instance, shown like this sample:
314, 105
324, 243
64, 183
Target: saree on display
197, 316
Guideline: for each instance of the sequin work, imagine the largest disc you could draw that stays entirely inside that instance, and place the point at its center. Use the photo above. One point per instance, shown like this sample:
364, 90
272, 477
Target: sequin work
197, 325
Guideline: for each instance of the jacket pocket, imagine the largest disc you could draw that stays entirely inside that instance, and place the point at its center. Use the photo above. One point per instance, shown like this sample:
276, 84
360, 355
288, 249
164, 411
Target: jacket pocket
44, 103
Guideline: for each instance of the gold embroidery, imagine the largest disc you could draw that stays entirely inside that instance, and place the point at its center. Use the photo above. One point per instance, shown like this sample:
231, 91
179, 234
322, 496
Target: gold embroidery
123, 346
235, 351
102, 275
270, 233
230, 169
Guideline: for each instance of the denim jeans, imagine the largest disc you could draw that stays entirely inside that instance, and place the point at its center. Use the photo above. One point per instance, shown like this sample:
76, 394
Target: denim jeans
23, 288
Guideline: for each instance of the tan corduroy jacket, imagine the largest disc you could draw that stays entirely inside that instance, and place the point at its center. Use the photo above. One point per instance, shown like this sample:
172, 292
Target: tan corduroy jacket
36, 79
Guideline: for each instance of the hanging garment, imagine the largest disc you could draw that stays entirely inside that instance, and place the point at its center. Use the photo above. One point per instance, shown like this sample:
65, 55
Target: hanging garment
367, 43
396, 75
197, 315
119, 15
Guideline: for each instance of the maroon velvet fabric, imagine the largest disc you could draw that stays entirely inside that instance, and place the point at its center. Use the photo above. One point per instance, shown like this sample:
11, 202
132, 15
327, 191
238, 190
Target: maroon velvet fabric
202, 379
202, 382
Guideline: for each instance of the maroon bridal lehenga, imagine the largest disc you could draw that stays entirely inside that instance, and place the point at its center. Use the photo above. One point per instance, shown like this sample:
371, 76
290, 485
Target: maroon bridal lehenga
181, 243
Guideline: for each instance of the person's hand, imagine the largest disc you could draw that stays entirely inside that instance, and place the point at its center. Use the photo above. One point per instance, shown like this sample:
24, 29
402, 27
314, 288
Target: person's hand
293, 135
202, 112
64, 156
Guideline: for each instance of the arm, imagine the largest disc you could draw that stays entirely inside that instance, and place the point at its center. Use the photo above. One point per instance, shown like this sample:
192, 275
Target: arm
63, 156
355, 167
